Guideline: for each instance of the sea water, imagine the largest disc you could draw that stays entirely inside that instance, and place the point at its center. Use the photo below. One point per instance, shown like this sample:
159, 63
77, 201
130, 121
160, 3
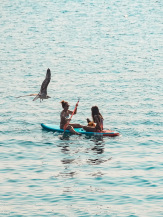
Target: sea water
109, 54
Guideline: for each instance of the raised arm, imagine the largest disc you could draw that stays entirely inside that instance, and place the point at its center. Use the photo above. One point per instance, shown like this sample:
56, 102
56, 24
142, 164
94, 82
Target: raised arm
70, 112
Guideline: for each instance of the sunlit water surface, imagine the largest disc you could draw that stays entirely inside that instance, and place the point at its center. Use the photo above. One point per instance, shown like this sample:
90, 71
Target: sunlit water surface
109, 54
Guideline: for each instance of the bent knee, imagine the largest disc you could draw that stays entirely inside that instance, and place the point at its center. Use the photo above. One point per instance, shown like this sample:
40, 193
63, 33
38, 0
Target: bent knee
69, 127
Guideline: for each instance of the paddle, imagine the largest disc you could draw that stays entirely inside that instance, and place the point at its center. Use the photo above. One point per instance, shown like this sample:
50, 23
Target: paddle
65, 126
34, 94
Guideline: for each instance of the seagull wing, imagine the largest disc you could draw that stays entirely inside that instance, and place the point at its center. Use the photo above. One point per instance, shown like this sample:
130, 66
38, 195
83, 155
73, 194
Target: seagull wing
34, 94
36, 97
45, 82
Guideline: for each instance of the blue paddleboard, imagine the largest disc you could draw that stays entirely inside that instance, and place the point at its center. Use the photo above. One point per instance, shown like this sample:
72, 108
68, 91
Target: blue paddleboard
56, 128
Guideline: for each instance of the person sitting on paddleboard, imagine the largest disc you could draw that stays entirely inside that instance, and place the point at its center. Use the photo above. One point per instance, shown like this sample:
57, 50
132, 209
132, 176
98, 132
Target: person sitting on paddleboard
97, 120
65, 118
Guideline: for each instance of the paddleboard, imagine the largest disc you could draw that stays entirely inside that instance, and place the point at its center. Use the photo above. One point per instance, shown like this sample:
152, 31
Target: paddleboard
56, 128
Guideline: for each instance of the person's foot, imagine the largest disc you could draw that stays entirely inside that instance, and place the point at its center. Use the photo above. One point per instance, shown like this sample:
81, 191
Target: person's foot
79, 134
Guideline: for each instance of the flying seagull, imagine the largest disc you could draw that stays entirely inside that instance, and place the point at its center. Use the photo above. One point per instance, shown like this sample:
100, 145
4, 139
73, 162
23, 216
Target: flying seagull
43, 90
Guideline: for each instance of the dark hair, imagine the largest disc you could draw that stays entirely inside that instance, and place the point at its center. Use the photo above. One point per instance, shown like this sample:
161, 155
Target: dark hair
64, 103
95, 111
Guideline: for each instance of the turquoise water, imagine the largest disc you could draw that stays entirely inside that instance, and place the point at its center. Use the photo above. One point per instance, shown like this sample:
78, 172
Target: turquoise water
108, 53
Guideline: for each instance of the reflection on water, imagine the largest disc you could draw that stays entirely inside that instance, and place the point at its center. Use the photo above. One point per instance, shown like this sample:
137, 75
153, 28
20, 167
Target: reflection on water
66, 174
97, 161
99, 144
98, 149
67, 136
75, 154
67, 161
67, 190
65, 149
64, 136
97, 174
